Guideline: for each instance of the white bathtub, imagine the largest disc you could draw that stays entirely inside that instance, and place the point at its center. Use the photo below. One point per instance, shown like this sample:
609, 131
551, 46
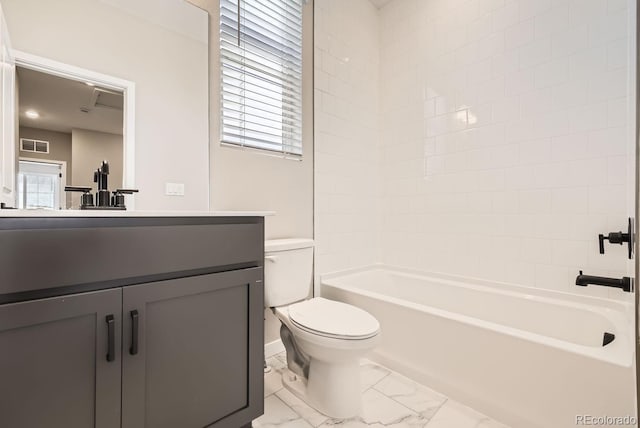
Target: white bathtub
524, 356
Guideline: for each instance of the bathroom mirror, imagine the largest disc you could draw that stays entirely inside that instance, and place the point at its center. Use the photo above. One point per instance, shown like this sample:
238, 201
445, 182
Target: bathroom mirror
66, 127
159, 50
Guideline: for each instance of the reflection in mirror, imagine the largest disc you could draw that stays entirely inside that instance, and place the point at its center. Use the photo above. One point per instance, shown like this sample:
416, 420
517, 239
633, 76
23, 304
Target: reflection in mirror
158, 52
40, 184
66, 128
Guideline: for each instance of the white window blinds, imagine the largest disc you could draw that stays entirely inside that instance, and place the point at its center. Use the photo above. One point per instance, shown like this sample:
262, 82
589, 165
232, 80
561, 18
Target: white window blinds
261, 73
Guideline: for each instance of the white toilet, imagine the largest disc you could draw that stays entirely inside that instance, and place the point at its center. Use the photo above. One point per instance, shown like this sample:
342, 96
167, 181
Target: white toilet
324, 339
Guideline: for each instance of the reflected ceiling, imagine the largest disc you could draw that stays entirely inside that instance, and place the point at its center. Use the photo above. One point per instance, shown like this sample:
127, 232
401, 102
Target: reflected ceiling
64, 104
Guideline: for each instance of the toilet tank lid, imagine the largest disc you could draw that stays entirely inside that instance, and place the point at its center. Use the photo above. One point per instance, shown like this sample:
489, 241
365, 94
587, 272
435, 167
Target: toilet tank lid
272, 245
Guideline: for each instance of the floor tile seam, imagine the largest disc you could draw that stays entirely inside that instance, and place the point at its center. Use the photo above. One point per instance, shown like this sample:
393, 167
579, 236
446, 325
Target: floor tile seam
291, 408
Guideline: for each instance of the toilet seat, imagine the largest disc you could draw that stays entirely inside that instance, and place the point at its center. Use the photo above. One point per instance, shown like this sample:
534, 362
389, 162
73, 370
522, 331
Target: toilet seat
333, 319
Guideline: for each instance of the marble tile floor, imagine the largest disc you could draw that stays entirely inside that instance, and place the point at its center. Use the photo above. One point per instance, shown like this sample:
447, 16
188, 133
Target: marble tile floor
389, 400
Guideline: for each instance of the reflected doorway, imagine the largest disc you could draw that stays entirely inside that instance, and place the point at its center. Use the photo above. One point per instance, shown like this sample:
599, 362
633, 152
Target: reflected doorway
41, 185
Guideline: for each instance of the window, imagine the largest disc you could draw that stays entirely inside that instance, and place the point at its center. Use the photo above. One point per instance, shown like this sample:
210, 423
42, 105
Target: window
36, 146
261, 74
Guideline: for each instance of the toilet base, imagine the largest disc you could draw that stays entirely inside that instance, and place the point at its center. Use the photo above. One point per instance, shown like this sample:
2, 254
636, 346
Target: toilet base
332, 388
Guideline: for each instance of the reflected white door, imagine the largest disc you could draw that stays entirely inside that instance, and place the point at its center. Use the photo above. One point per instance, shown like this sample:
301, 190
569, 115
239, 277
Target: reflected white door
40, 185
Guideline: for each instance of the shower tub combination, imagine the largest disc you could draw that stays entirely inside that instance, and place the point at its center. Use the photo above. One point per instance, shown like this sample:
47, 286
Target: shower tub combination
528, 357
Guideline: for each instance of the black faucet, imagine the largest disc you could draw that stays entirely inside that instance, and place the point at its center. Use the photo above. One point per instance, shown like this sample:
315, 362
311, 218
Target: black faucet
100, 176
104, 199
624, 283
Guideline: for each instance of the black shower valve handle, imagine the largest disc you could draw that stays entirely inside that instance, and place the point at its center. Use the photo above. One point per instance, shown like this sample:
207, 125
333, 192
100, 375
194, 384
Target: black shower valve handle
620, 238
613, 238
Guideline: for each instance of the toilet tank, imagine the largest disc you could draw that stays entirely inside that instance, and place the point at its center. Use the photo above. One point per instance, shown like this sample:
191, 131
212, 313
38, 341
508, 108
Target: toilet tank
288, 271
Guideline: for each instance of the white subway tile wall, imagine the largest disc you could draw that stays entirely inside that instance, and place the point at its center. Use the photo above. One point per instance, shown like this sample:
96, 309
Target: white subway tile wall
505, 128
347, 136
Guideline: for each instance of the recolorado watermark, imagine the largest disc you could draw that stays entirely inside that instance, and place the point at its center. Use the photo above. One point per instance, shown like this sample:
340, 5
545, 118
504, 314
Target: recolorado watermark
606, 421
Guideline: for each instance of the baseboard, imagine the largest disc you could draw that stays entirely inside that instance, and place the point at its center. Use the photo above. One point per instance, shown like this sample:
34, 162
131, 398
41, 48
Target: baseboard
273, 348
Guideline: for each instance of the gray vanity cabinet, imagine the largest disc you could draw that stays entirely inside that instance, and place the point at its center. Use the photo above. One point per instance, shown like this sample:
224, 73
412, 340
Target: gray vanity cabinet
61, 344
184, 345
188, 356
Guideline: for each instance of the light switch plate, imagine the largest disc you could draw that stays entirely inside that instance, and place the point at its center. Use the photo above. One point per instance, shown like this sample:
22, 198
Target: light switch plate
174, 189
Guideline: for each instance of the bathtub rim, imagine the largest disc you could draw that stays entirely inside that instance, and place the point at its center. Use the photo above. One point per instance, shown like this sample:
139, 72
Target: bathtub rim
619, 313
625, 303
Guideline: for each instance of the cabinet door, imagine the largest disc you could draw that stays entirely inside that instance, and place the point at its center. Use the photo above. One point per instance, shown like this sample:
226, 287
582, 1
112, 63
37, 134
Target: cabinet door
54, 371
198, 356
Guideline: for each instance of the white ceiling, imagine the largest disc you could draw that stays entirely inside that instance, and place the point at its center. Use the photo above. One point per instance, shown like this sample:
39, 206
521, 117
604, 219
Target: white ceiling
379, 3
59, 100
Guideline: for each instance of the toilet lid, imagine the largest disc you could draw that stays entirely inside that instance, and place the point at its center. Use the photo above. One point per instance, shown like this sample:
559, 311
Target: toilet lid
333, 319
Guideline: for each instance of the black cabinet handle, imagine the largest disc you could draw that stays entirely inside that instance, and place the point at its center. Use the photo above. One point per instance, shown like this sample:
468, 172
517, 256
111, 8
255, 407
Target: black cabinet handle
133, 350
111, 338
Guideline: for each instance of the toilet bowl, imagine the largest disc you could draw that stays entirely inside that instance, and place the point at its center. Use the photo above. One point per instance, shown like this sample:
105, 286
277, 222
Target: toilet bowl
324, 339
332, 385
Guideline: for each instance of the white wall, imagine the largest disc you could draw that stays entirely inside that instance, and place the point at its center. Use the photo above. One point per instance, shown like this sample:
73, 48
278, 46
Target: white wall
347, 140
506, 140
171, 75
506, 137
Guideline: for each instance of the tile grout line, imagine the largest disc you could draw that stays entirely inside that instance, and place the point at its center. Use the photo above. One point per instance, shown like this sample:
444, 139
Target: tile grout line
438, 411
390, 371
292, 409
446, 400
274, 394
396, 401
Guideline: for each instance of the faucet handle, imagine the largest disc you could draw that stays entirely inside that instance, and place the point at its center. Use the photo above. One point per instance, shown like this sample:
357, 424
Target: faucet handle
619, 238
83, 189
613, 238
601, 239
126, 191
